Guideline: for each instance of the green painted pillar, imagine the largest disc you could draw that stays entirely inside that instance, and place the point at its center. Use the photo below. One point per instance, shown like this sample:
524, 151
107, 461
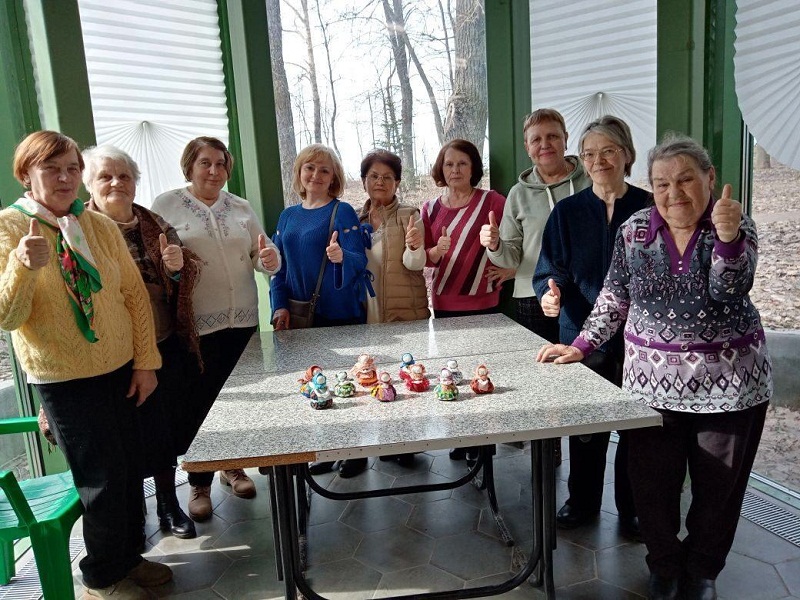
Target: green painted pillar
251, 107
725, 135
251, 117
508, 68
680, 43
60, 63
18, 103
696, 92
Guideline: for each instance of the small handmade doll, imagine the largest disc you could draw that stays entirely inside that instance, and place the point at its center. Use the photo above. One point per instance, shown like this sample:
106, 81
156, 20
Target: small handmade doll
384, 391
364, 371
481, 384
417, 382
446, 389
306, 378
319, 393
452, 366
405, 364
344, 387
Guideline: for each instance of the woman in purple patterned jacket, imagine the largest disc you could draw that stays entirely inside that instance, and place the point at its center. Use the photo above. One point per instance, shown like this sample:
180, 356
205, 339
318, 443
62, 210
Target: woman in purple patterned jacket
695, 352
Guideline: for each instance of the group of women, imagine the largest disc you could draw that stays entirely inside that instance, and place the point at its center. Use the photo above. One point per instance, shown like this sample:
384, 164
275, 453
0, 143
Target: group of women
128, 321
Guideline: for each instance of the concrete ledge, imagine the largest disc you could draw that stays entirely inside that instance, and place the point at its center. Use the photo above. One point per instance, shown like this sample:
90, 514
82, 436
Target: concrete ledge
784, 348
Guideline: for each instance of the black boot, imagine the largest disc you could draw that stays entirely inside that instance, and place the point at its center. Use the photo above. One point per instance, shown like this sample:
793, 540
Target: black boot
170, 515
172, 518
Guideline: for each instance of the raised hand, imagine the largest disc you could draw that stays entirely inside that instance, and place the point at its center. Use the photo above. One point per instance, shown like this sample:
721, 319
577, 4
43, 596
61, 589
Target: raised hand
334, 250
727, 216
413, 235
490, 233
171, 255
268, 255
551, 301
443, 244
32, 249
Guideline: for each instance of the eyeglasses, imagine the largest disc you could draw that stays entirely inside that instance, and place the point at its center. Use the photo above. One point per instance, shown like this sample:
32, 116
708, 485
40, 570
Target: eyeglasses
593, 155
375, 178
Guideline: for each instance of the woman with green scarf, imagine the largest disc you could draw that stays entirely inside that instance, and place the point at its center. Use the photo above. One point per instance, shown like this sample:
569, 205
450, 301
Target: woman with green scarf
83, 332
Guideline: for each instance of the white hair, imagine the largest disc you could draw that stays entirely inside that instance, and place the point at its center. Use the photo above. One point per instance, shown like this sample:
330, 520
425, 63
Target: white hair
94, 155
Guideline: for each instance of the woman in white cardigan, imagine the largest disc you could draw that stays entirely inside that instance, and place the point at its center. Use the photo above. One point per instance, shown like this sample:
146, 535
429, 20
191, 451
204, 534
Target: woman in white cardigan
225, 233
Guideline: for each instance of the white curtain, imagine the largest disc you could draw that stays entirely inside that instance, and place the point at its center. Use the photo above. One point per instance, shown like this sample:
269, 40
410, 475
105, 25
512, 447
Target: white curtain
593, 58
156, 81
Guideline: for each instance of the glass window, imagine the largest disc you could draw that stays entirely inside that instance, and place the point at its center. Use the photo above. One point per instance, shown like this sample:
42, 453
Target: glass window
395, 75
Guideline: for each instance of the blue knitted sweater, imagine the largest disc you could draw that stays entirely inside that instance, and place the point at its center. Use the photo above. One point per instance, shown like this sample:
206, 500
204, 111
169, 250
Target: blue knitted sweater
302, 236
577, 246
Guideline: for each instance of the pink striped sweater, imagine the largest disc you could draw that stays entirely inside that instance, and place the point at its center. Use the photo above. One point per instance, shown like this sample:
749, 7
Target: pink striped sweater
459, 282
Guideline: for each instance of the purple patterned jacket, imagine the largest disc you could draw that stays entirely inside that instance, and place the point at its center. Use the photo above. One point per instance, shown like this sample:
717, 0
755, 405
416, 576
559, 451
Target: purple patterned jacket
693, 339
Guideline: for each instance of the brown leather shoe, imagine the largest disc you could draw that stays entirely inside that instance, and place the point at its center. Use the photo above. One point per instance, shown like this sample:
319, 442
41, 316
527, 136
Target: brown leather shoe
124, 589
200, 502
150, 574
241, 485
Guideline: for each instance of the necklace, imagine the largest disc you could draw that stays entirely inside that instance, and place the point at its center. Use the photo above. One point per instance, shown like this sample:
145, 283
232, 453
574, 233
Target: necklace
447, 199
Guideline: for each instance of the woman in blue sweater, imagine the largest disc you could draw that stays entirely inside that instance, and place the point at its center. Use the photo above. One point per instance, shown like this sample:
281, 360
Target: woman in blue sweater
306, 239
577, 245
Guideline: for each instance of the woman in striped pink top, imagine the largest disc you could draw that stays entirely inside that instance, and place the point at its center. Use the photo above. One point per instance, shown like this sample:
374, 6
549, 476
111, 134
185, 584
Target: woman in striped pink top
465, 281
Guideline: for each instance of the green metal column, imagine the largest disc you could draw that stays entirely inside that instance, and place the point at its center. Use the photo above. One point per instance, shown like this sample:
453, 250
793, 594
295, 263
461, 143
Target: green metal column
696, 93
17, 94
251, 105
251, 117
680, 76
508, 68
724, 135
60, 63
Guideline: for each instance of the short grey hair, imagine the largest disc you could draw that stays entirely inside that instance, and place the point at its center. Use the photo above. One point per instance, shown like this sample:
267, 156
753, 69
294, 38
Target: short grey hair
617, 131
676, 144
94, 155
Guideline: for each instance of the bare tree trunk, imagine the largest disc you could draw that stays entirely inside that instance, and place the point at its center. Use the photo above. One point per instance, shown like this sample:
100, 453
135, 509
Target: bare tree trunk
396, 30
467, 111
447, 39
283, 100
311, 68
326, 43
761, 159
437, 117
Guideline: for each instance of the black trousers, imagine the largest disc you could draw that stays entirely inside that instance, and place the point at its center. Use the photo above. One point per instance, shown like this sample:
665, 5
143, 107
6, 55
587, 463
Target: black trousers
587, 454
96, 427
221, 351
160, 417
719, 450
529, 315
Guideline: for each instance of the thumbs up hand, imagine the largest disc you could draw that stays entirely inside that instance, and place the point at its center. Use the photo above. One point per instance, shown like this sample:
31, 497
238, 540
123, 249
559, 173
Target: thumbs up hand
413, 235
171, 255
551, 301
32, 250
726, 216
490, 233
267, 254
443, 244
334, 250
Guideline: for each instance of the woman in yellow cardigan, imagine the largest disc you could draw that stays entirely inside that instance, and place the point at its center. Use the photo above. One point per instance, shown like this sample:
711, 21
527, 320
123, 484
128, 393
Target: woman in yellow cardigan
83, 331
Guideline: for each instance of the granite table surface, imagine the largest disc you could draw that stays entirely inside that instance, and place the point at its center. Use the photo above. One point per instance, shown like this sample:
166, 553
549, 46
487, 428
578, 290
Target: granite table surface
260, 418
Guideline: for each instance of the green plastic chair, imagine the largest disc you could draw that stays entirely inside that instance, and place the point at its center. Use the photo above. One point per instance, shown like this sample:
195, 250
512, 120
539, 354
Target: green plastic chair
44, 509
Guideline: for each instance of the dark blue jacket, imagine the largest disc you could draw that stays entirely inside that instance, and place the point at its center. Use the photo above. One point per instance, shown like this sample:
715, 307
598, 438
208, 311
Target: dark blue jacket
577, 245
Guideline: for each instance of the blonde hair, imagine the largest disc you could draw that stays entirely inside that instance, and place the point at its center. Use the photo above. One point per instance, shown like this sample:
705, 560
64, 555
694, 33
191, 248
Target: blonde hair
313, 153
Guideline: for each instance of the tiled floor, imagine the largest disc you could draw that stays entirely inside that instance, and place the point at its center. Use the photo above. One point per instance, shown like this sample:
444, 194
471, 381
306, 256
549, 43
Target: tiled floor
438, 541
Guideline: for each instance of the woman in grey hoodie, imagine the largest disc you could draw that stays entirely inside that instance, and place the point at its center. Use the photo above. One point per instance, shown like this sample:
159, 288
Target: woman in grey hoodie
516, 242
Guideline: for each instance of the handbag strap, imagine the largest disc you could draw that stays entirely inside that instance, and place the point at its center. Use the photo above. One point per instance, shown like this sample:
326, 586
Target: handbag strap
315, 295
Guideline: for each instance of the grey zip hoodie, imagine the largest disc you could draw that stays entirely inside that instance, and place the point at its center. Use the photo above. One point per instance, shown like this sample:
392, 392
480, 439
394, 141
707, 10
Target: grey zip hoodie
528, 206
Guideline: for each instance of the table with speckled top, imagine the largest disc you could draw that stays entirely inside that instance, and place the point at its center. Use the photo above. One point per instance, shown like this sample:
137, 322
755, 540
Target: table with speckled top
260, 418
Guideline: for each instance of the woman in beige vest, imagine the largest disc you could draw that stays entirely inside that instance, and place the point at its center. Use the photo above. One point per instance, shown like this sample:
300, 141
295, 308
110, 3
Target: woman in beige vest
397, 256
